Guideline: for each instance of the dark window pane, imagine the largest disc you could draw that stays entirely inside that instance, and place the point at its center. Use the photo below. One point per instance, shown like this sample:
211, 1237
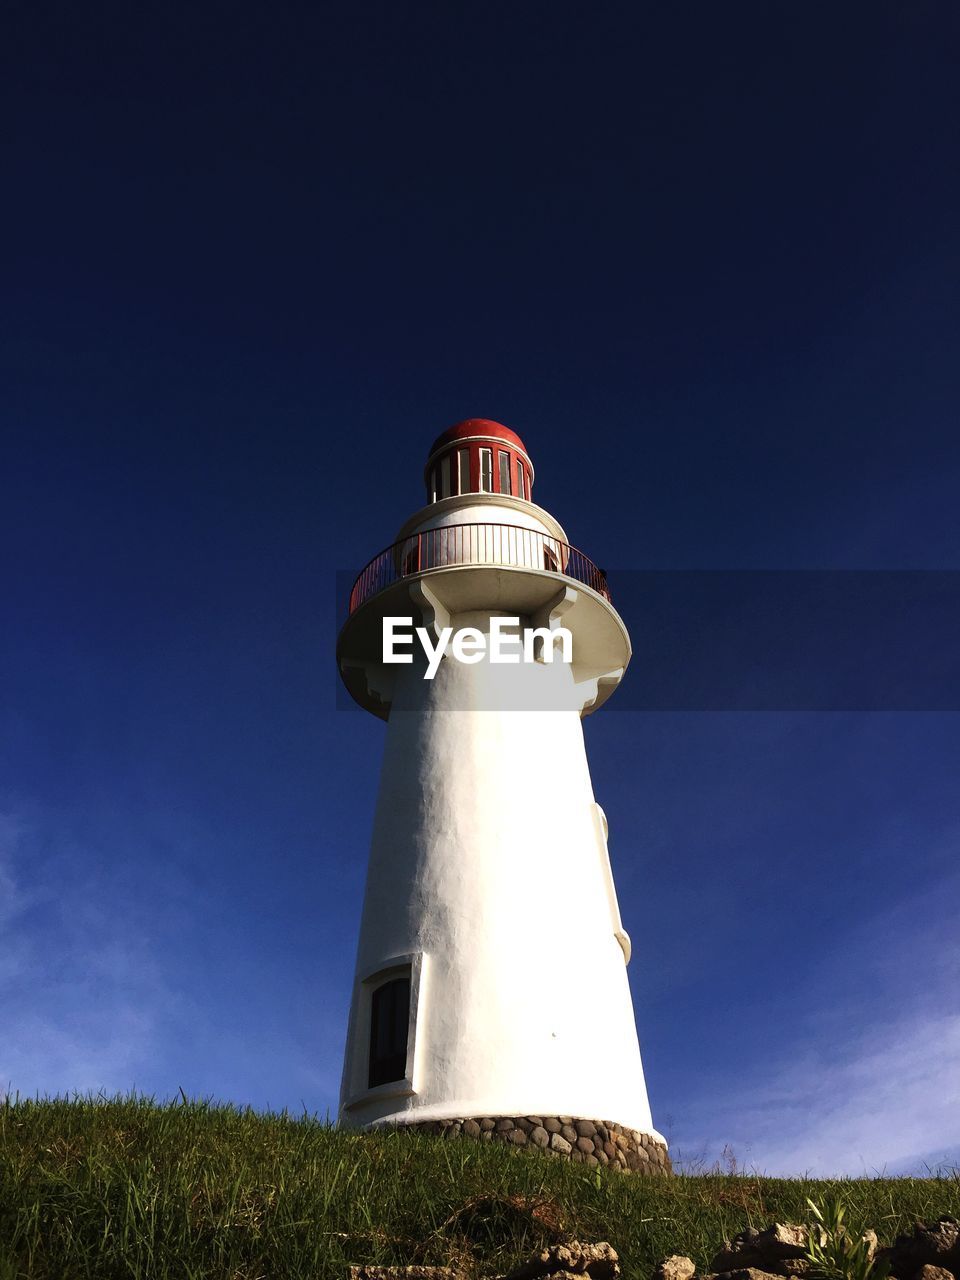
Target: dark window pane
389, 1017
504, 459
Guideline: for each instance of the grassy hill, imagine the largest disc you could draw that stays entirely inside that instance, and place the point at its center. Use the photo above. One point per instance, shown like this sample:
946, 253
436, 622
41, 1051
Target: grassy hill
128, 1188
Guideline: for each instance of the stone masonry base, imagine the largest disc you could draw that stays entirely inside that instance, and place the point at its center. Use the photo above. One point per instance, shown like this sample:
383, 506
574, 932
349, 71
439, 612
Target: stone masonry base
591, 1142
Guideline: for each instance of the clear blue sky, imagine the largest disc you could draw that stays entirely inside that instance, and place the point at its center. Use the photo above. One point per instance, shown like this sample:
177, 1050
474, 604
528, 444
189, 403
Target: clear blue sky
705, 260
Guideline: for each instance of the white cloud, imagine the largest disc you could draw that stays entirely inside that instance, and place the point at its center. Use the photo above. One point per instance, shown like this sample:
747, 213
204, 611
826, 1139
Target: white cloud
106, 967
80, 993
863, 1072
891, 1103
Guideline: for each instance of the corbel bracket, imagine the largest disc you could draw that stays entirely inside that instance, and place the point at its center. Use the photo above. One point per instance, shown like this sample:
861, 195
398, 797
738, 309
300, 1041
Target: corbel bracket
435, 614
549, 616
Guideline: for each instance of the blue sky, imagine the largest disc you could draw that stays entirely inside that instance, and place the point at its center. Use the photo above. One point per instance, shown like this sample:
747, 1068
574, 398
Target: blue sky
705, 262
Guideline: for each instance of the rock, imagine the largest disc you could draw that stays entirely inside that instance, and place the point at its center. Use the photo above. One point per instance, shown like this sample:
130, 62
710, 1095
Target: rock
505, 1125
488, 1123
471, 1129
569, 1132
930, 1272
585, 1145
936, 1245
559, 1143
552, 1124
539, 1136
768, 1250
676, 1267
599, 1261
518, 1137
586, 1128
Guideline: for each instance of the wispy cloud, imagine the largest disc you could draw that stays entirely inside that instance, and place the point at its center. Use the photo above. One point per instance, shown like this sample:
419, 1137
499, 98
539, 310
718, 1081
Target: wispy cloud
113, 971
80, 990
890, 1103
862, 1074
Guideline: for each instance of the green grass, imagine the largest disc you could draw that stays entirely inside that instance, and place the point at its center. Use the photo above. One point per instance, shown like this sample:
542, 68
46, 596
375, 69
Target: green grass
130, 1188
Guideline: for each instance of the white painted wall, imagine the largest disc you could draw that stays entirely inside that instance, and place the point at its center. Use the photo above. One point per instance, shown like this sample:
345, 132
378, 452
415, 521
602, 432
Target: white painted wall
478, 509
503, 541
488, 860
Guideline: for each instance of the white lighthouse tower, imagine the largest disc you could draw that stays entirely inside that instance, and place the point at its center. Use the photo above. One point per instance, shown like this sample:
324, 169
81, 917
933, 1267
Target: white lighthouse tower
491, 996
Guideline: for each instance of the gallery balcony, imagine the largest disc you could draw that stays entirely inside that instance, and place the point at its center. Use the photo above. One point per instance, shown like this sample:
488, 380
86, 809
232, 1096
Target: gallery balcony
469, 545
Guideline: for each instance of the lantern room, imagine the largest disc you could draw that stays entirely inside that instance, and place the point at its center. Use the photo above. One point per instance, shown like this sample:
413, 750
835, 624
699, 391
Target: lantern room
478, 456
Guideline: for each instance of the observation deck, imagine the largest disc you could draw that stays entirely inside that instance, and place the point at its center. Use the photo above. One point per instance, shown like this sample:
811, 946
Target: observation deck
505, 569
503, 545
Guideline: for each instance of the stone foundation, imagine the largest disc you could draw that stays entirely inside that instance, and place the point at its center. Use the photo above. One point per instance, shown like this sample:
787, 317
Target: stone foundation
591, 1142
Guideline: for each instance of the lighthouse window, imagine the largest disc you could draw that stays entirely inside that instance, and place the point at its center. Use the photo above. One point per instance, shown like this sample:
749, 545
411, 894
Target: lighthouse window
521, 481
504, 460
486, 470
445, 477
389, 1023
463, 465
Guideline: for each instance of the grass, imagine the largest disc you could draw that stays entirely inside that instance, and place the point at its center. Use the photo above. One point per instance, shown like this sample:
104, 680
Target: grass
131, 1188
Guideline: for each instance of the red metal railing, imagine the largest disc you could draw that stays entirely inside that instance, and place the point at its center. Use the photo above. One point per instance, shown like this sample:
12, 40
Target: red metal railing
456, 544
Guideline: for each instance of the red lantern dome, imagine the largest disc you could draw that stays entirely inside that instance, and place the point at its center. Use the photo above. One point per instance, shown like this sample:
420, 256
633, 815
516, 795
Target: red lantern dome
478, 456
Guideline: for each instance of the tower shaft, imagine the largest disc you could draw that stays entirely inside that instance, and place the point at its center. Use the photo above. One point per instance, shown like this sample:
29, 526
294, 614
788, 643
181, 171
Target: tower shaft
489, 875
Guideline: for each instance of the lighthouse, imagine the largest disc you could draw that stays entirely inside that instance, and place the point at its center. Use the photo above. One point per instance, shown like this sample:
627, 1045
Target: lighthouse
490, 996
